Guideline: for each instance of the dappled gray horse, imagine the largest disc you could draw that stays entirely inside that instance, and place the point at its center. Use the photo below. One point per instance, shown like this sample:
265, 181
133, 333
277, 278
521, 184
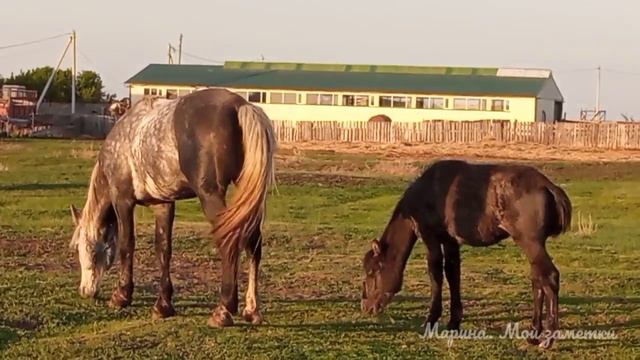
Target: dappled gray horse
166, 150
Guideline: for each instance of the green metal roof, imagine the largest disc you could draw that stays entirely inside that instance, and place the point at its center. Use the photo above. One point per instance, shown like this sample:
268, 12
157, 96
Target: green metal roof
336, 77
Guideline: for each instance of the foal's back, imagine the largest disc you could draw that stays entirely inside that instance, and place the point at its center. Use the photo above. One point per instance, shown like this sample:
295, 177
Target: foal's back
481, 204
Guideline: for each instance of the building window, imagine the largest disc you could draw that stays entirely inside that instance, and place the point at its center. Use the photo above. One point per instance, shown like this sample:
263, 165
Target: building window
257, 96
282, 98
154, 92
395, 101
172, 93
498, 105
469, 104
147, 91
356, 100
322, 99
243, 94
430, 103
160, 92
473, 104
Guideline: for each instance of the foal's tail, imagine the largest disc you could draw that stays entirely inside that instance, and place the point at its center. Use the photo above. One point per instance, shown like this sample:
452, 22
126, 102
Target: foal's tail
563, 209
247, 206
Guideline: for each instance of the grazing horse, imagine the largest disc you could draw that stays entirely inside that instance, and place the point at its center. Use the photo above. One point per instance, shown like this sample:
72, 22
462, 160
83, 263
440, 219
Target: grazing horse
454, 203
166, 150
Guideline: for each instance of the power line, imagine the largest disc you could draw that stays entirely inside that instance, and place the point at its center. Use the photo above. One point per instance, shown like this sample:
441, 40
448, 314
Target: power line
622, 72
4, 47
202, 58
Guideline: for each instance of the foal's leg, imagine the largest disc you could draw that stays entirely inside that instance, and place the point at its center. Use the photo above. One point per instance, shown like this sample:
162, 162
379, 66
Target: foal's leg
251, 312
164, 226
452, 271
434, 262
538, 300
546, 283
122, 294
212, 204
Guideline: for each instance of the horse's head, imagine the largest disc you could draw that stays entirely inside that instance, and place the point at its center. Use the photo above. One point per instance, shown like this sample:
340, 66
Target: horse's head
378, 286
95, 241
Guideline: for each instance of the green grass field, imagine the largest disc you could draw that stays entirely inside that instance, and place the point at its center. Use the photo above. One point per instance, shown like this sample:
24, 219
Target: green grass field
327, 209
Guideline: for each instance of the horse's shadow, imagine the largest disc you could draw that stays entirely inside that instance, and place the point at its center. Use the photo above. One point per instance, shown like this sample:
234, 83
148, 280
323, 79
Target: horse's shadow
41, 186
405, 314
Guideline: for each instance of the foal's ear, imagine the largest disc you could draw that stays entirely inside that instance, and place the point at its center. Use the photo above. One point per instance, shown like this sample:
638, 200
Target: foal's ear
75, 214
375, 246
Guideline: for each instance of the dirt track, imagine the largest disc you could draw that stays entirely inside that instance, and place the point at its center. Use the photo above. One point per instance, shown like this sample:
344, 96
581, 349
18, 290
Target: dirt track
485, 150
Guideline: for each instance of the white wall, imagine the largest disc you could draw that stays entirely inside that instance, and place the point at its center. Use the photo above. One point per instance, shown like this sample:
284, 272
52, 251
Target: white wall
520, 109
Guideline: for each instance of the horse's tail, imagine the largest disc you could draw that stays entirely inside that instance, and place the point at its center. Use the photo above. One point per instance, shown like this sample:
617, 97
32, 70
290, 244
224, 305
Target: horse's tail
563, 209
246, 209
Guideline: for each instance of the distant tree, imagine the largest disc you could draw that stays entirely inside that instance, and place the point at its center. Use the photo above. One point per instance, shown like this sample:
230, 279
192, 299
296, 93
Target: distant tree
89, 86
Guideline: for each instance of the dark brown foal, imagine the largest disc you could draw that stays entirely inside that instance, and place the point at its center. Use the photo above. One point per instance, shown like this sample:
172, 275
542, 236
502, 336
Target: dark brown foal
454, 203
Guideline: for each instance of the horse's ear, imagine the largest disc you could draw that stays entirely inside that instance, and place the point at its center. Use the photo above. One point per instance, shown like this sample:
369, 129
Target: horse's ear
75, 214
375, 246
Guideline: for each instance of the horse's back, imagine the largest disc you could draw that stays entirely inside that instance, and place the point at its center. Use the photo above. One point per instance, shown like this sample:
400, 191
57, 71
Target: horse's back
481, 204
209, 137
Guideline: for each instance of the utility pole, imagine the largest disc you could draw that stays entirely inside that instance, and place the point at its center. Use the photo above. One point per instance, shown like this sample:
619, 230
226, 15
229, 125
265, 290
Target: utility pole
74, 39
53, 74
170, 53
598, 92
180, 50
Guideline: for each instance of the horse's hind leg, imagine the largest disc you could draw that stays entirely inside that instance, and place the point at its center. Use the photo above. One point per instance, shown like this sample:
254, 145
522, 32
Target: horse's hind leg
164, 227
251, 312
546, 285
212, 203
452, 271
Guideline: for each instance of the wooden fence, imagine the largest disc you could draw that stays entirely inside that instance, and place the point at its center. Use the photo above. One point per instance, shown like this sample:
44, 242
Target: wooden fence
602, 135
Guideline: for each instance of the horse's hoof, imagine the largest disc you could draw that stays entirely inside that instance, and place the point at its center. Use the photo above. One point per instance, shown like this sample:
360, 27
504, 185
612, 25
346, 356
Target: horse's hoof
252, 316
162, 311
533, 341
546, 344
119, 301
220, 318
453, 325
429, 323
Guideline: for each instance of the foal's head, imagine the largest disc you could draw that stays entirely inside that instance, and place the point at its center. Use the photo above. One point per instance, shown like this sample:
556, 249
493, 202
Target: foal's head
379, 286
384, 264
95, 239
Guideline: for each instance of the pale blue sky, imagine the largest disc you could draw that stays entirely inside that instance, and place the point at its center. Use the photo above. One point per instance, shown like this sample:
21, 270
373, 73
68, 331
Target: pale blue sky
571, 37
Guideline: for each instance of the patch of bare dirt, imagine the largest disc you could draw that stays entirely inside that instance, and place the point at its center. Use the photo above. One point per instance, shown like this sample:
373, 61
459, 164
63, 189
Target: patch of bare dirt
484, 150
22, 324
322, 179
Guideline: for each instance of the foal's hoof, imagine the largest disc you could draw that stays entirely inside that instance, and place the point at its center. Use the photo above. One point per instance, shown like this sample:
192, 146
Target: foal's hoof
252, 316
546, 343
119, 301
220, 318
453, 325
162, 311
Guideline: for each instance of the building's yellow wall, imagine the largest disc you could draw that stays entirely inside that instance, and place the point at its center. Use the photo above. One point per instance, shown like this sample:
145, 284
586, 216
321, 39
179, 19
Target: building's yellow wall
520, 109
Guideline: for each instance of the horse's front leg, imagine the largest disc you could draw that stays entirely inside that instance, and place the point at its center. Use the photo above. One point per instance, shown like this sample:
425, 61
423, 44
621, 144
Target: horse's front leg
452, 272
251, 312
164, 214
434, 263
122, 294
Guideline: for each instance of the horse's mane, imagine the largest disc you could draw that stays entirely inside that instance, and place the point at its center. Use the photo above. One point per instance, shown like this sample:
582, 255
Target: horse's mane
92, 214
